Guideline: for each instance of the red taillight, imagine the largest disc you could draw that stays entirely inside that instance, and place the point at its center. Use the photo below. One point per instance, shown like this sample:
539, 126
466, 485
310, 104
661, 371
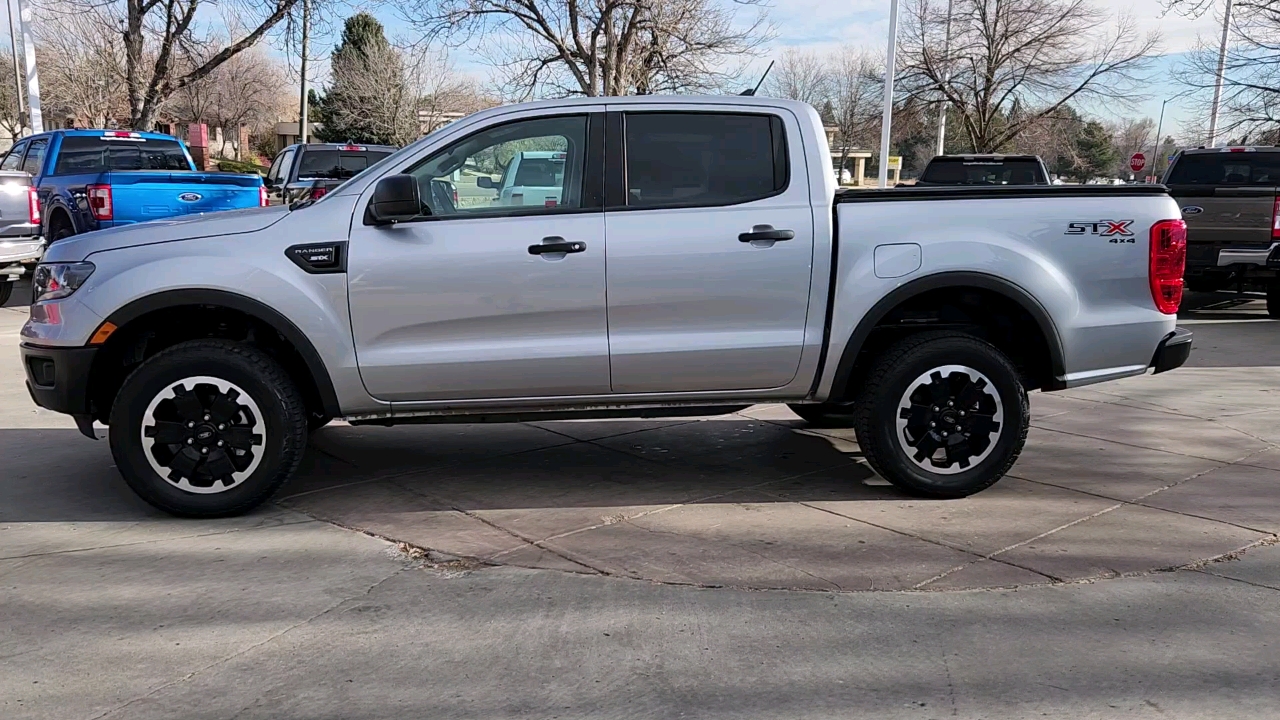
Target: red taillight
100, 202
33, 205
262, 196
1275, 220
318, 192
455, 197
1168, 261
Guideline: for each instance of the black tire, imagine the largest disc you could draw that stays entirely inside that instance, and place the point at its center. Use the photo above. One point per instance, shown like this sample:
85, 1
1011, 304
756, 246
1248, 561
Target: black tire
59, 229
881, 405
1273, 300
263, 465
827, 415
6, 291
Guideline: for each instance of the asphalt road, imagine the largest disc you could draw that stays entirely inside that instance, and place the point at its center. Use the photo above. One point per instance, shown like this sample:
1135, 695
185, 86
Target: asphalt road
1144, 513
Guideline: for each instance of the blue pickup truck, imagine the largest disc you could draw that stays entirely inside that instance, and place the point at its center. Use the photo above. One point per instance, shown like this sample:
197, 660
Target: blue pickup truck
93, 179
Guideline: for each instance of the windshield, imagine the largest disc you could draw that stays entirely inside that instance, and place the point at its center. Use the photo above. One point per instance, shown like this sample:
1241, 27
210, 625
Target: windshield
540, 172
337, 164
1228, 168
958, 171
88, 154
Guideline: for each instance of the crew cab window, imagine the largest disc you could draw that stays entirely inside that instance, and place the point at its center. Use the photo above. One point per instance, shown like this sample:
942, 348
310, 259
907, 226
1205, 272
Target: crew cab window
982, 171
703, 159
520, 167
1227, 168
14, 158
35, 156
280, 167
91, 154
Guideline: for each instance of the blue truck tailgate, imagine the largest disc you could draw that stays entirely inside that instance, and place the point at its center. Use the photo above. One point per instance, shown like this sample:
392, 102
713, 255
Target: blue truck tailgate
141, 195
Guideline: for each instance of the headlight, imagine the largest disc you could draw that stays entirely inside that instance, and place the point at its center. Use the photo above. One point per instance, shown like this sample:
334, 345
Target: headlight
58, 280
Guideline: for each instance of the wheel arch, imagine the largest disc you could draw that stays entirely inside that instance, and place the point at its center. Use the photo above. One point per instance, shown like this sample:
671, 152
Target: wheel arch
58, 208
317, 384
903, 295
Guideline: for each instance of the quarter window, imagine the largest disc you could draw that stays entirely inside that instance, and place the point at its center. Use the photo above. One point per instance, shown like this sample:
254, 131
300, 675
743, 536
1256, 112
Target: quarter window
703, 159
35, 156
528, 166
14, 159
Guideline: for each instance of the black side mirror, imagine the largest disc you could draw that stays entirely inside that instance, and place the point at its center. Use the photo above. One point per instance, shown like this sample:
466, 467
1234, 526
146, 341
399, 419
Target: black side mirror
395, 199
486, 182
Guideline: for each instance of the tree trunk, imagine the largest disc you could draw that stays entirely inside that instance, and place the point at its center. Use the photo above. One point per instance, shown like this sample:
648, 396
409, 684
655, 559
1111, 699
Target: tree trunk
133, 61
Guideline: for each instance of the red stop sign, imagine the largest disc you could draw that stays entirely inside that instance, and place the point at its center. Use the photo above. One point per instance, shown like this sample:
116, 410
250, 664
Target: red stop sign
1137, 161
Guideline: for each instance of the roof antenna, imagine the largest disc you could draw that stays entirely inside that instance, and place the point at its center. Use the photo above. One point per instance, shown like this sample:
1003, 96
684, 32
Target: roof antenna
754, 90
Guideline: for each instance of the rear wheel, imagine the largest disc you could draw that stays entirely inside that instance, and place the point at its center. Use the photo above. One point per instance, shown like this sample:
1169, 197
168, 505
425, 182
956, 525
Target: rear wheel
943, 415
208, 428
6, 291
1273, 299
60, 228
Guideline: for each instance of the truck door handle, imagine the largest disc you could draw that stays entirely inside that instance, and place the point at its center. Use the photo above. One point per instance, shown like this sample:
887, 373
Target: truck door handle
556, 244
766, 233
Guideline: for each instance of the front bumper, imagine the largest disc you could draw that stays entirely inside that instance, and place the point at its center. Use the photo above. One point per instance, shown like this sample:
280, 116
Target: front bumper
1173, 351
58, 377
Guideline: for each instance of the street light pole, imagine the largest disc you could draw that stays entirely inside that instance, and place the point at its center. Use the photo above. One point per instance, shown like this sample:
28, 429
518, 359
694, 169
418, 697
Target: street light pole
1155, 154
302, 100
17, 72
33, 76
946, 77
1217, 84
887, 121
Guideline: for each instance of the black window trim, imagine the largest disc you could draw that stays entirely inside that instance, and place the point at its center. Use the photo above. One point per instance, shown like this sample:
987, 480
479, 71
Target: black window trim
618, 193
592, 172
22, 152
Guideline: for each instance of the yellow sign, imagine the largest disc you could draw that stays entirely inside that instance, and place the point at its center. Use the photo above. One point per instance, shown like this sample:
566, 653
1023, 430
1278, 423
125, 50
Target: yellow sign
895, 162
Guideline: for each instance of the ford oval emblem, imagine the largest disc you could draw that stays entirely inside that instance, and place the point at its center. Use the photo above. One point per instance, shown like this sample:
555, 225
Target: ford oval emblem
1192, 210
190, 197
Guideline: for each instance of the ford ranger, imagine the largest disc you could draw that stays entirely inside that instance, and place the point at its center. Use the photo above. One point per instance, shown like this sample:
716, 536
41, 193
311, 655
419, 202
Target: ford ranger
93, 179
698, 259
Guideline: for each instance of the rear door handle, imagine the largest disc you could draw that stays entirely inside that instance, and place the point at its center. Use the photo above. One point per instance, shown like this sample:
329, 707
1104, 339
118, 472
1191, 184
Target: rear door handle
766, 233
556, 244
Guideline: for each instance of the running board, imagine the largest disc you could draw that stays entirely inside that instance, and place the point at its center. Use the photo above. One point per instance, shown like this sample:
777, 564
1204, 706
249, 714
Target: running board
560, 414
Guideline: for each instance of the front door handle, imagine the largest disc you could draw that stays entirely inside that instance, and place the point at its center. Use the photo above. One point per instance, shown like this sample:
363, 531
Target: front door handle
555, 244
766, 233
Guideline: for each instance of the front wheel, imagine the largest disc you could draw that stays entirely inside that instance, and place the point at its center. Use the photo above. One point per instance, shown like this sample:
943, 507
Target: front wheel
942, 415
208, 428
1273, 299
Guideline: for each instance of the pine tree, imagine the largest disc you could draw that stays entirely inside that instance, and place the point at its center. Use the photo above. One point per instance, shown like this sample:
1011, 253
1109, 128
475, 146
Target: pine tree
1095, 153
363, 43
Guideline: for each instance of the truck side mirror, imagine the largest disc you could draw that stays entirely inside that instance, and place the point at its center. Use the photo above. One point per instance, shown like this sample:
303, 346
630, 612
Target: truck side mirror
395, 199
485, 182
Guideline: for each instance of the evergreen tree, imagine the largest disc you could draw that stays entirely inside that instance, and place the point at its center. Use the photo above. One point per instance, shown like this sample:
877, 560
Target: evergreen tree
343, 107
1095, 153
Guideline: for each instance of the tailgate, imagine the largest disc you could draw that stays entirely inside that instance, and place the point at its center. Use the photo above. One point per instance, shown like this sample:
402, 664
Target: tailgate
143, 195
1217, 218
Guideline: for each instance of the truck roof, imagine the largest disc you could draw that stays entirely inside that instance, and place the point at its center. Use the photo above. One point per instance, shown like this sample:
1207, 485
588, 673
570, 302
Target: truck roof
354, 147
102, 132
981, 156
1231, 149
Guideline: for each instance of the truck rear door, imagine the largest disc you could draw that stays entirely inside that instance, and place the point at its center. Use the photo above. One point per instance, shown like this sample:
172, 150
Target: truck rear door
710, 249
1228, 199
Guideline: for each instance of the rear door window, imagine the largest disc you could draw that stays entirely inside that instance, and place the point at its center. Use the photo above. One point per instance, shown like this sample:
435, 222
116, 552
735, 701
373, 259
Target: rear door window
89, 154
959, 171
14, 159
336, 164
676, 159
34, 161
1245, 169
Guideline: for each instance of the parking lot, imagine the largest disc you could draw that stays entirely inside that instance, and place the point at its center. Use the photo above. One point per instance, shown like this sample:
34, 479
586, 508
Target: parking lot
1127, 566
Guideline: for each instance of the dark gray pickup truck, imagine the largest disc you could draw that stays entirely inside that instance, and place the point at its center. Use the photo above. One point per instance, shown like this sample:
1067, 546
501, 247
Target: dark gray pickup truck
20, 243
1229, 202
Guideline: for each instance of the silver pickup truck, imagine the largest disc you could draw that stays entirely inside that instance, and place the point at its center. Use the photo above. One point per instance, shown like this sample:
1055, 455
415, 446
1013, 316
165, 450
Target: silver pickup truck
697, 259
20, 243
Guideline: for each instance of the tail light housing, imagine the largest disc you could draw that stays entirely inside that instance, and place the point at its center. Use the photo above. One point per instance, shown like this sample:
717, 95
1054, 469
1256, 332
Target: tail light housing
100, 202
33, 205
262, 196
1168, 261
1275, 220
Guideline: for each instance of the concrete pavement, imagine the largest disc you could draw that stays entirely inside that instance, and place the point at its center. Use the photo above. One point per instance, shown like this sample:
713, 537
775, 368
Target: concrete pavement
109, 609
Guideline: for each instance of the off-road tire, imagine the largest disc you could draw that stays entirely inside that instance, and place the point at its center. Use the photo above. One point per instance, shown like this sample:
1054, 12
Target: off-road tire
879, 405
1273, 299
283, 414
826, 415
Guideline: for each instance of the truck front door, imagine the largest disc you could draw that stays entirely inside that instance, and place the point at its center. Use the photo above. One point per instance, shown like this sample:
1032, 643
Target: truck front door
710, 256
481, 299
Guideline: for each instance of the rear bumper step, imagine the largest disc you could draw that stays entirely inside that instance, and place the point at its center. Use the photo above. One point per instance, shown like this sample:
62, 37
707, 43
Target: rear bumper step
1173, 351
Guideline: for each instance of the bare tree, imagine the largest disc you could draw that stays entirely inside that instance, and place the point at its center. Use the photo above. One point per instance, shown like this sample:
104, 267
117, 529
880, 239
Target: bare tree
380, 89
600, 47
1251, 74
10, 118
82, 69
856, 87
249, 89
1129, 137
1012, 62
801, 75
160, 39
